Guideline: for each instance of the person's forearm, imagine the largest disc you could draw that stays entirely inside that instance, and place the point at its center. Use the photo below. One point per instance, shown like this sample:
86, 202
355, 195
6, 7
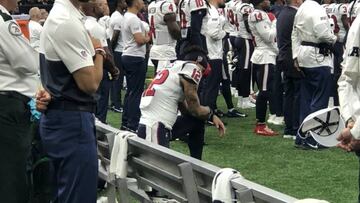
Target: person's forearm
98, 68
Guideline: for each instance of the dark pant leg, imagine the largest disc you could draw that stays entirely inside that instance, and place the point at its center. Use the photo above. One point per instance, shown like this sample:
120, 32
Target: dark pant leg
156, 63
246, 49
322, 84
225, 85
264, 76
187, 125
213, 83
278, 93
291, 105
68, 138
15, 142
103, 92
117, 85
135, 71
225, 79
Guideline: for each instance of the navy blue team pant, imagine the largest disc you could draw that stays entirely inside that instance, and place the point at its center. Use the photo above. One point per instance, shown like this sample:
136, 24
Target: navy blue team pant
135, 72
264, 76
194, 128
68, 138
277, 96
212, 82
315, 90
103, 101
117, 85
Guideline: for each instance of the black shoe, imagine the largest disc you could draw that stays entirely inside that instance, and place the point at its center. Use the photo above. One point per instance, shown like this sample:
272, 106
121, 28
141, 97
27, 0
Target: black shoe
219, 113
117, 110
235, 114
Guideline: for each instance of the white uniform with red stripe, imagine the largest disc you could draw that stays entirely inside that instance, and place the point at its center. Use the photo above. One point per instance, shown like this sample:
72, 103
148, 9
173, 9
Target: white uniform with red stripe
264, 31
185, 9
340, 10
232, 21
163, 48
241, 10
329, 8
159, 102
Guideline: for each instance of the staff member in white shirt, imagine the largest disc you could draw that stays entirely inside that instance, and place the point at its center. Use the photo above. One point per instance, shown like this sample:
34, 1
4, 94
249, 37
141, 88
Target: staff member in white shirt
18, 75
312, 39
35, 27
94, 10
349, 93
133, 58
117, 45
71, 71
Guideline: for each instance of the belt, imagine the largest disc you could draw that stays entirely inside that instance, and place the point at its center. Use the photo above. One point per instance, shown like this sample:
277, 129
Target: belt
72, 106
15, 95
311, 44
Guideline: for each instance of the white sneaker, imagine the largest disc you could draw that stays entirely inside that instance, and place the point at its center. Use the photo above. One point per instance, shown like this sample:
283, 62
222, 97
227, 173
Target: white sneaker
247, 104
240, 102
271, 118
278, 120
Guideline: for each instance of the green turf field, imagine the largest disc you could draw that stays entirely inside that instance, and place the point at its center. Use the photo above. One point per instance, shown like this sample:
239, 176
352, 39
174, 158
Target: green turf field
274, 162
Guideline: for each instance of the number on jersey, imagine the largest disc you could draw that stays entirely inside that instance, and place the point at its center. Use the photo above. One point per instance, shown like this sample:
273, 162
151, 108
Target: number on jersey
158, 80
196, 74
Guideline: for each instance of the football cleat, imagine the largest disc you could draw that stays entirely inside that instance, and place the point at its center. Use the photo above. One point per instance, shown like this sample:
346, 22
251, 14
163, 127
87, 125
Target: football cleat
264, 130
235, 114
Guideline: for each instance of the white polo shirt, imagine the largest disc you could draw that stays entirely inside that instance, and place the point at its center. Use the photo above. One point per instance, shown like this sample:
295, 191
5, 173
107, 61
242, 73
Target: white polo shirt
65, 47
116, 23
64, 37
19, 62
35, 30
132, 24
96, 30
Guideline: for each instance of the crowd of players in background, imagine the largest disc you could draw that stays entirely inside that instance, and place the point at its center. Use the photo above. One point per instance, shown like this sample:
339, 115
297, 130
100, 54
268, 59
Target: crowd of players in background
242, 40
286, 56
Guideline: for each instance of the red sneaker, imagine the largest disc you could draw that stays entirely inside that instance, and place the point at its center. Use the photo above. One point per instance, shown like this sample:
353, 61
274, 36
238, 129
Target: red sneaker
264, 130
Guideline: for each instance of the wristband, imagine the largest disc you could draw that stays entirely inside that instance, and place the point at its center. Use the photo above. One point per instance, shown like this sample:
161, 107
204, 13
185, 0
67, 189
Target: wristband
211, 115
100, 51
348, 121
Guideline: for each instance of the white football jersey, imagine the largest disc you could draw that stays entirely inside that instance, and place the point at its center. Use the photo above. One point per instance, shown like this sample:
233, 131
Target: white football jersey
163, 44
264, 32
241, 10
340, 10
159, 102
232, 21
185, 9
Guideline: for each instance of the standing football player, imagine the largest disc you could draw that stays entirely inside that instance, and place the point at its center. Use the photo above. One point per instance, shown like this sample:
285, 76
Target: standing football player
164, 32
264, 31
245, 47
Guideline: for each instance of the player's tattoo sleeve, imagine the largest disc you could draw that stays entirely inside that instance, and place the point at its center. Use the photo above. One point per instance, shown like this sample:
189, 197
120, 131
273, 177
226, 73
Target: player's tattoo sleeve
192, 100
173, 26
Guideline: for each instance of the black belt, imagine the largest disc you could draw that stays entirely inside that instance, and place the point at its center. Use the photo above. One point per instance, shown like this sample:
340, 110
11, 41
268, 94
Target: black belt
72, 106
324, 48
311, 44
15, 95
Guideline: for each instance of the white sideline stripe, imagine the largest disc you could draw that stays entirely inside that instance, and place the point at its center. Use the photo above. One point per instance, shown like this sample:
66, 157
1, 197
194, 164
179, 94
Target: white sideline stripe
265, 76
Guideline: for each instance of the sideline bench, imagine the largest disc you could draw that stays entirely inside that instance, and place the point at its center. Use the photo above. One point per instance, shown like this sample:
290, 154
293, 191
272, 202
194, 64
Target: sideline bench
173, 174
